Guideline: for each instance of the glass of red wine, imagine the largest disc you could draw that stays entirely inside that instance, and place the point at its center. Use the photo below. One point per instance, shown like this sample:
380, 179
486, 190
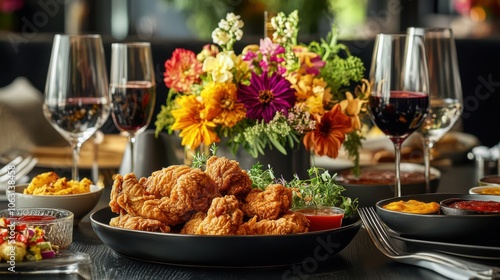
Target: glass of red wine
77, 100
133, 89
399, 100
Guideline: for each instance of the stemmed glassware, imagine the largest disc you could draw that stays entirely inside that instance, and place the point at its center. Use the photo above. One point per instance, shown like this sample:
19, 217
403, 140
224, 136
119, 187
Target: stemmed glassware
76, 102
445, 89
399, 100
133, 89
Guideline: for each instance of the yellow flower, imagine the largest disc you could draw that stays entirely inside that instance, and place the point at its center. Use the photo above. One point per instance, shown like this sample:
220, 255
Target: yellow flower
351, 107
220, 67
191, 120
310, 90
222, 104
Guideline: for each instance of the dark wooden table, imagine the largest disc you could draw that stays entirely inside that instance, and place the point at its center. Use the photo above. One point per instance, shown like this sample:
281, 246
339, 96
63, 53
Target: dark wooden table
359, 260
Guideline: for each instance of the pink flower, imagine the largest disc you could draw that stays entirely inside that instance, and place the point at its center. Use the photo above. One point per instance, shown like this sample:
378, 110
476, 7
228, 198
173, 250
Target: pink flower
310, 62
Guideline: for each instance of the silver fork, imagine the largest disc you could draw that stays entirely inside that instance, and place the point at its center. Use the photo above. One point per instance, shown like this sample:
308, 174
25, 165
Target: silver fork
17, 168
445, 265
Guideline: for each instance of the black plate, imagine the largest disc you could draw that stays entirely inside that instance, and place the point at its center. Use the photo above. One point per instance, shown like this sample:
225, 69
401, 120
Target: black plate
439, 227
464, 250
222, 251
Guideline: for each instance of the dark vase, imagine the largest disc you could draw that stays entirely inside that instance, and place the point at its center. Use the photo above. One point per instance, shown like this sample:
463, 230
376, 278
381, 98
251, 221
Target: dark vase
296, 161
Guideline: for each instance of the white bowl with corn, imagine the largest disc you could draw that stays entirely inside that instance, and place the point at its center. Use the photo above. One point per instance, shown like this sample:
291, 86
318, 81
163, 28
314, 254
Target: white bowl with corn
50, 190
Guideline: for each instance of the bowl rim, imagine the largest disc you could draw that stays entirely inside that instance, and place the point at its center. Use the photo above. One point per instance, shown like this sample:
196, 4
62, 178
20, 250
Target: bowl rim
97, 189
480, 180
473, 189
445, 205
385, 166
69, 215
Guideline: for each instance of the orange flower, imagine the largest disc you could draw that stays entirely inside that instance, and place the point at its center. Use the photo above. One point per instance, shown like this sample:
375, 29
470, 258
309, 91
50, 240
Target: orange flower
191, 120
182, 70
329, 134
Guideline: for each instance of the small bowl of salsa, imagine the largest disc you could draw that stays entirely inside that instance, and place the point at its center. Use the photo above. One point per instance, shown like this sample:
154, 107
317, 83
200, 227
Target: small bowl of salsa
457, 206
322, 217
56, 223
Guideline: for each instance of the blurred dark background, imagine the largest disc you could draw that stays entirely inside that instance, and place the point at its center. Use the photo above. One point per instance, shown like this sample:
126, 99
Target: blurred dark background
27, 28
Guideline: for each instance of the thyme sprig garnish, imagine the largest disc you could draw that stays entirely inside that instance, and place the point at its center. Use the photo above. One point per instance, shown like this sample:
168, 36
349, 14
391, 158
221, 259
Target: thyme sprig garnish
320, 189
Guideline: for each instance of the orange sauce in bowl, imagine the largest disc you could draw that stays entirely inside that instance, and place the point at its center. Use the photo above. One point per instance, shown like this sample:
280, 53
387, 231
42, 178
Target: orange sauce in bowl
495, 191
413, 206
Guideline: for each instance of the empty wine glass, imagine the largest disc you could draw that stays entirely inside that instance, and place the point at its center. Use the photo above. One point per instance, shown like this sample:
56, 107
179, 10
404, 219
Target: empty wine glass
399, 101
132, 88
76, 102
445, 89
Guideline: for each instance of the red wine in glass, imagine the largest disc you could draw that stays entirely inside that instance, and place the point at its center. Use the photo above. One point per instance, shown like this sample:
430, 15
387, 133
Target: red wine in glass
133, 105
132, 89
400, 114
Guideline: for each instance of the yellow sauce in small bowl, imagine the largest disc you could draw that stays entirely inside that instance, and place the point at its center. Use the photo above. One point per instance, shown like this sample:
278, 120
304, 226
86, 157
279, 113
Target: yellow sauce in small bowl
413, 206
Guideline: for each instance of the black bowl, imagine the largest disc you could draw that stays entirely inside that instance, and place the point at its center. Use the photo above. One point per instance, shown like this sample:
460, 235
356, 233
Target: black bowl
222, 251
448, 209
369, 194
440, 227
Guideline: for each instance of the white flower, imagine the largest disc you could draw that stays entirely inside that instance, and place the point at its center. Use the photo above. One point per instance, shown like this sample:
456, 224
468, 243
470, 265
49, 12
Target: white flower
220, 66
220, 37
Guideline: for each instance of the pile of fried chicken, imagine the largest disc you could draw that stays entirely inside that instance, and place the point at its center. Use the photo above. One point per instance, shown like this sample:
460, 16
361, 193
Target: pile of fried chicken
217, 201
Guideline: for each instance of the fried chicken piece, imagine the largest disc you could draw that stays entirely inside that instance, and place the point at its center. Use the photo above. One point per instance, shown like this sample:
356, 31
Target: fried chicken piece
139, 223
191, 226
275, 200
229, 177
292, 222
129, 196
193, 192
224, 217
161, 182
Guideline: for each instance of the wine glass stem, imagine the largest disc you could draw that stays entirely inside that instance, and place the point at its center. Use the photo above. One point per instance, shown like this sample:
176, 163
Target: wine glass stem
397, 152
427, 163
131, 140
75, 146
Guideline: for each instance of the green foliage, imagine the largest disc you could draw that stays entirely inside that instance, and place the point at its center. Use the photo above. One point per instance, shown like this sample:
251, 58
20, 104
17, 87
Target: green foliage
320, 189
341, 68
352, 145
200, 159
260, 177
256, 138
164, 119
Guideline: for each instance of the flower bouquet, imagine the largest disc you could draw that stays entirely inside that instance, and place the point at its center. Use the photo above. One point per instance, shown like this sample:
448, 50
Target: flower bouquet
274, 95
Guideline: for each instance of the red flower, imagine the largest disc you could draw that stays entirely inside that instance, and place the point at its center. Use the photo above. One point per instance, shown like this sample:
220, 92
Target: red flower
182, 70
329, 134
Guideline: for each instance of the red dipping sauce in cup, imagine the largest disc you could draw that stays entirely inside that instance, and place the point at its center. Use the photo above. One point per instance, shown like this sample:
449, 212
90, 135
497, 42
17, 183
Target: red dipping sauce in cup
322, 217
32, 218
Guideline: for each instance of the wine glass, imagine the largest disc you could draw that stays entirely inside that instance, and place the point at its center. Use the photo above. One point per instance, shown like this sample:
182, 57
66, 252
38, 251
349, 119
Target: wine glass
132, 88
445, 89
76, 102
399, 101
